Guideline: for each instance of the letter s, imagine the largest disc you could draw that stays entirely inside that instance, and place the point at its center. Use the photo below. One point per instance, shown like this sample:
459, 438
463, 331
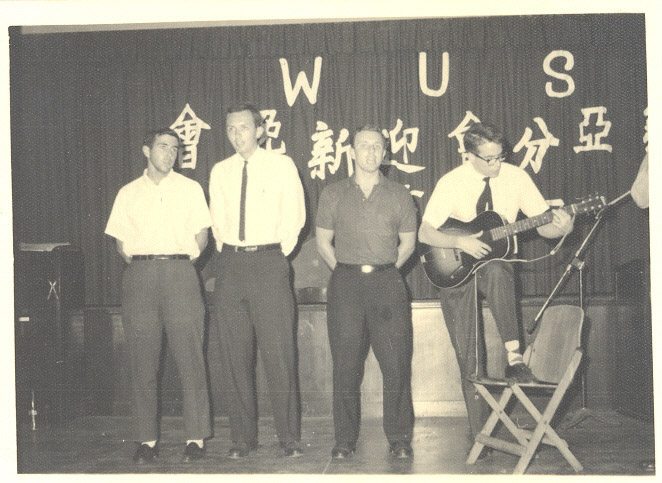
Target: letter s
569, 64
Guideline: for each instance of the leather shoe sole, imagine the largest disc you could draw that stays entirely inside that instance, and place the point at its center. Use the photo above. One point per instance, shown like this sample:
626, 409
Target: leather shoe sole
241, 450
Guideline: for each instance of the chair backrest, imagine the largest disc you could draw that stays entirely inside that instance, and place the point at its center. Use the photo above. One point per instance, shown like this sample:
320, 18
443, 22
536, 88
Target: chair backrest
559, 334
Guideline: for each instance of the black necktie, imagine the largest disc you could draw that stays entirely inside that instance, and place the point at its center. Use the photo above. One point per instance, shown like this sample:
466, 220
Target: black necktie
242, 203
485, 200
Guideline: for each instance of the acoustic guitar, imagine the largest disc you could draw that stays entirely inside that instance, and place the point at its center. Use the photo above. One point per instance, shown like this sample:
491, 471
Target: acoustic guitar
451, 267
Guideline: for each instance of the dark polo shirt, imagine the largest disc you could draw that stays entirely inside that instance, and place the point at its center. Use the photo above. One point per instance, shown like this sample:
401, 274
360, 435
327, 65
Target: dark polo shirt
366, 229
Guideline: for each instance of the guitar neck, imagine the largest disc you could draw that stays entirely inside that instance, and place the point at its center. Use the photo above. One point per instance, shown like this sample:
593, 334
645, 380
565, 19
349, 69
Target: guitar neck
527, 224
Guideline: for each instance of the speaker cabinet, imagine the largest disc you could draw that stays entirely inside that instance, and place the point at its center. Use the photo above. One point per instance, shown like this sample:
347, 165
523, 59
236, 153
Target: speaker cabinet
632, 342
47, 284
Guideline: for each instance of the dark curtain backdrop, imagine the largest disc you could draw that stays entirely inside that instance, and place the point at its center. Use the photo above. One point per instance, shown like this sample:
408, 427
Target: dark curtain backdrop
81, 102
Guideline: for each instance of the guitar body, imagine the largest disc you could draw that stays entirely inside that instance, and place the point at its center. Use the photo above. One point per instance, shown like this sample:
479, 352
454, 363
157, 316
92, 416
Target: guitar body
451, 267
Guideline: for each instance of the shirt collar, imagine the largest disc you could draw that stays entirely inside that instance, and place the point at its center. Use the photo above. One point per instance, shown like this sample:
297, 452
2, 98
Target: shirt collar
474, 172
167, 179
257, 154
380, 180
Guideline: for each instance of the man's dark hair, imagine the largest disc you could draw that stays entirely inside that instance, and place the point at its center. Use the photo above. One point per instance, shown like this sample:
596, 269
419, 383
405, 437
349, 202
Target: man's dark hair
481, 133
257, 117
151, 136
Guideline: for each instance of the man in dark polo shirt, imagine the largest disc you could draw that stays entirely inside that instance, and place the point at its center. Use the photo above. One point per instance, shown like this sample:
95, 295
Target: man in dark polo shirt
373, 222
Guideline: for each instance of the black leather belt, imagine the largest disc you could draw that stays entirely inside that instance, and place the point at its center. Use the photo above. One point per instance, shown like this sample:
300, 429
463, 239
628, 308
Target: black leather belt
161, 257
251, 248
365, 268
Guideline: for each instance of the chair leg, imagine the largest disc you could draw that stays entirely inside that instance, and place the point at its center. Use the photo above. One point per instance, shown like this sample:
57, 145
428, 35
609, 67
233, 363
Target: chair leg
497, 408
500, 408
543, 422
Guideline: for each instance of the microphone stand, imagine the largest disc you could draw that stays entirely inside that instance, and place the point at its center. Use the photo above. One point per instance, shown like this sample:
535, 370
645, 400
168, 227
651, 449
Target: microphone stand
577, 263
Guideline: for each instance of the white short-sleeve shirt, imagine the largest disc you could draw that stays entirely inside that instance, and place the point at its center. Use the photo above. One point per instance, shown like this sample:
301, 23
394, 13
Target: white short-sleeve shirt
159, 219
457, 192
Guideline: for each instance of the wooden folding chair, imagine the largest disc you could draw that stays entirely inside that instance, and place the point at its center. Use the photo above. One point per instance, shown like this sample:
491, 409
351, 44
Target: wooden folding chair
553, 357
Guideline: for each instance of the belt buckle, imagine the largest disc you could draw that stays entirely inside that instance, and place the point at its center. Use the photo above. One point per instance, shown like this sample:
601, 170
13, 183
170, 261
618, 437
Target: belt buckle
367, 269
250, 249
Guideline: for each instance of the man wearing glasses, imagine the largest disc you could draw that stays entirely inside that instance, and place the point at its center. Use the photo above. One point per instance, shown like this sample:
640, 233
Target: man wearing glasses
484, 182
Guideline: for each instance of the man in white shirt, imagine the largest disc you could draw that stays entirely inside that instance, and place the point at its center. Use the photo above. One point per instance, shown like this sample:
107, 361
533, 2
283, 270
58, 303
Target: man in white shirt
160, 222
484, 180
257, 209
639, 190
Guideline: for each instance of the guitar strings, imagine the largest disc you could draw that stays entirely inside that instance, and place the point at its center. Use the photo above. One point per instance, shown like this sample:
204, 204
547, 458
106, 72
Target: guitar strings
551, 253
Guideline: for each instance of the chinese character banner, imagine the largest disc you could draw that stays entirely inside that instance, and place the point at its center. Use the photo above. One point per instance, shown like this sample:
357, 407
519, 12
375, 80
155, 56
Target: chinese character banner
569, 92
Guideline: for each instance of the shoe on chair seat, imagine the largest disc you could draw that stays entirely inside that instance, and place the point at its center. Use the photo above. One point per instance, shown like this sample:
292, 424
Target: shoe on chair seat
520, 373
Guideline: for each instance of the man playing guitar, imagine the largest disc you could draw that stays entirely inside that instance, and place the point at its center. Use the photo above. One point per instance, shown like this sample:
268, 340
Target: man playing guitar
484, 181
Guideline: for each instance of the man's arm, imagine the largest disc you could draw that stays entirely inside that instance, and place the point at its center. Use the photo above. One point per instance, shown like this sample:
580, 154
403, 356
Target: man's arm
293, 209
639, 190
406, 247
468, 243
201, 239
562, 224
120, 249
325, 247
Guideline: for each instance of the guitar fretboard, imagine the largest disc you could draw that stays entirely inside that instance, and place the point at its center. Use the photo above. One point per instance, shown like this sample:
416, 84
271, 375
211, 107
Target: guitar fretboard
528, 224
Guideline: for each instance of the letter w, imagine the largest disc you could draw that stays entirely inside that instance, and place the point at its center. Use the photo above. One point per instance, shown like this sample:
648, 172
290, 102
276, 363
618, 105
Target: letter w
291, 93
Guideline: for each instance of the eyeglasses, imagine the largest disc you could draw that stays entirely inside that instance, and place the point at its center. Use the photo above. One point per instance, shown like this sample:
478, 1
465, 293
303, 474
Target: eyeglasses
492, 161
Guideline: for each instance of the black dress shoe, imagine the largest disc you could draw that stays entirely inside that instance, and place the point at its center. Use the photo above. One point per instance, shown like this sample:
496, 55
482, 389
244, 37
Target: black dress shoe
241, 450
193, 452
292, 449
520, 373
145, 454
343, 450
402, 449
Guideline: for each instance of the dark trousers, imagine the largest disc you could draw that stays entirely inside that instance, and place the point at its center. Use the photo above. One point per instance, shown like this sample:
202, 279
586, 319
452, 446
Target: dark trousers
254, 301
158, 296
494, 281
370, 310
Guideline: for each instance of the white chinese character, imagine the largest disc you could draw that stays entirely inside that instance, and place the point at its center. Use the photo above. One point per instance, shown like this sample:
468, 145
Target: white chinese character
407, 143
537, 147
322, 151
409, 140
189, 127
342, 150
459, 131
271, 129
592, 142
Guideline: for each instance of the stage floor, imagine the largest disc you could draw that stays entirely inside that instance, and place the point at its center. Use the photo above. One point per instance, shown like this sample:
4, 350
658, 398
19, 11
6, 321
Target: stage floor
606, 443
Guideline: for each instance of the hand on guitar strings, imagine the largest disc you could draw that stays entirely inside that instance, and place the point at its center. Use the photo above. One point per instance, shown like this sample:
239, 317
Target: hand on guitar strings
563, 221
472, 245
